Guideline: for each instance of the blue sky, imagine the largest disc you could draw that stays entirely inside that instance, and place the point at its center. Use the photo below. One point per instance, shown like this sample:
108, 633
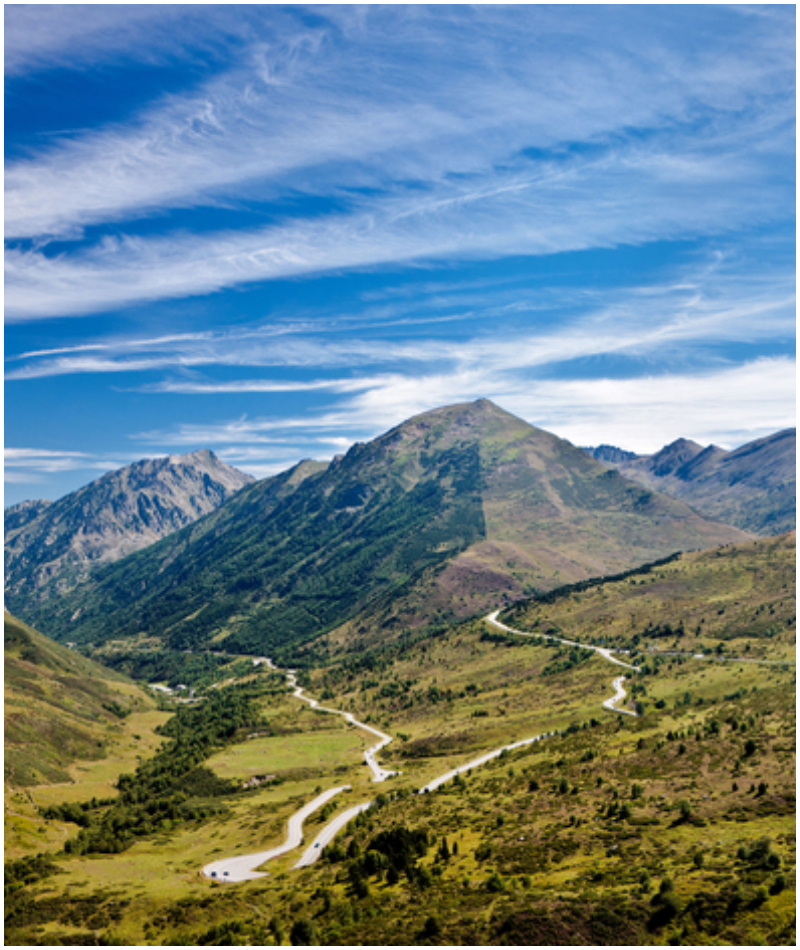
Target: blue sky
274, 231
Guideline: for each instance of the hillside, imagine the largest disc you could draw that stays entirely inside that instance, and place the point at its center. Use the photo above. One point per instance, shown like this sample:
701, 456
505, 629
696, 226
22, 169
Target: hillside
59, 707
51, 546
450, 512
672, 827
753, 487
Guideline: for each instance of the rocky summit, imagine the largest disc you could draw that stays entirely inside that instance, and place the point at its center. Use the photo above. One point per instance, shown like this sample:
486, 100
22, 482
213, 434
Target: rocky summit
52, 546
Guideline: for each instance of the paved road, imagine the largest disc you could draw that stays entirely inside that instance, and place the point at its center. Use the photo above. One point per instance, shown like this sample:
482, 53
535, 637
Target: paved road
328, 833
611, 704
619, 695
482, 760
243, 868
603, 651
379, 774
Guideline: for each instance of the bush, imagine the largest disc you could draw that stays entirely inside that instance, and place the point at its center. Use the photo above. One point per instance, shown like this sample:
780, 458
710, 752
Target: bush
778, 885
303, 934
495, 884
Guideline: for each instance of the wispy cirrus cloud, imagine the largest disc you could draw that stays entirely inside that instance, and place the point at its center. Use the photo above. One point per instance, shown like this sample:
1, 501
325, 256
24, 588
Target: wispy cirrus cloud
574, 212
468, 155
715, 299
23, 465
546, 212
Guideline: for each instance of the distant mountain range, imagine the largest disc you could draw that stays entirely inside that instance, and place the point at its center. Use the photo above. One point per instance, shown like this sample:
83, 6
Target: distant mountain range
753, 487
451, 512
52, 546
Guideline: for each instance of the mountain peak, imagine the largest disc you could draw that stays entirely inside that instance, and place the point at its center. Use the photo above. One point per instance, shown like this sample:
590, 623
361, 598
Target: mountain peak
53, 544
674, 455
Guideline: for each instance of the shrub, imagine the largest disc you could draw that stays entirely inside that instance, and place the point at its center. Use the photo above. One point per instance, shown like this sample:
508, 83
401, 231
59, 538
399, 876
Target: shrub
778, 885
302, 934
495, 884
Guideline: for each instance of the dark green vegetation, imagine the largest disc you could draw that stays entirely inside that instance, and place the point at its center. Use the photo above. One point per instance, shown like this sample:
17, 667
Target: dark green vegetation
172, 667
754, 487
59, 707
677, 827
173, 786
51, 546
444, 516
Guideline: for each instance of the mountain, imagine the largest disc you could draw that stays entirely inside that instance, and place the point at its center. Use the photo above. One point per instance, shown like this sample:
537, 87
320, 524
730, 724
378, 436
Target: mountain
610, 453
753, 487
59, 706
451, 512
51, 546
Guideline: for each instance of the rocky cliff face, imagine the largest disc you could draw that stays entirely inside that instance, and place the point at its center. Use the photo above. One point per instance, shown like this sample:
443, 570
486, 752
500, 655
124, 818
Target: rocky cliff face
51, 546
753, 487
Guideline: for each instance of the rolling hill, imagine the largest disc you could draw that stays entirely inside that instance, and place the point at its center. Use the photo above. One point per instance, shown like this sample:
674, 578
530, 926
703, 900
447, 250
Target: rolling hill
451, 512
51, 546
753, 487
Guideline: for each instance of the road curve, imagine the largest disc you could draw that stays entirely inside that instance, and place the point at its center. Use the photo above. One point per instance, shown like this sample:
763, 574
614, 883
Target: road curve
619, 695
619, 692
243, 868
379, 774
603, 651
328, 833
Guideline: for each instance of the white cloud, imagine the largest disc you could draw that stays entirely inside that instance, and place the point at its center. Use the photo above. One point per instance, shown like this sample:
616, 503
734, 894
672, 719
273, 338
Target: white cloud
78, 36
728, 406
336, 111
712, 301
544, 214
20, 463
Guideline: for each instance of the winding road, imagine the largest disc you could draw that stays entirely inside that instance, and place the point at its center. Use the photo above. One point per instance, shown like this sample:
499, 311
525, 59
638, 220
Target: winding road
243, 868
378, 774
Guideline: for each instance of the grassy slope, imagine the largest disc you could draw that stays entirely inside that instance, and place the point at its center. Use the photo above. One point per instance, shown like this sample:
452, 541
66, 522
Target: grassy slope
537, 863
69, 723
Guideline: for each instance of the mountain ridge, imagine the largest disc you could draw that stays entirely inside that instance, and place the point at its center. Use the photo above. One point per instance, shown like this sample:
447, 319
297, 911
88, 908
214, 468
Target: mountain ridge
752, 487
51, 546
469, 489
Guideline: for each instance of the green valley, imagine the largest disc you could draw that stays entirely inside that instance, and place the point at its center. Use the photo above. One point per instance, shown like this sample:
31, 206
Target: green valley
673, 826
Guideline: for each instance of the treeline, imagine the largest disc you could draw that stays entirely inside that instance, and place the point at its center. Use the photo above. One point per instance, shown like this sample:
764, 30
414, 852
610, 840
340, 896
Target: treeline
551, 596
172, 667
172, 787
